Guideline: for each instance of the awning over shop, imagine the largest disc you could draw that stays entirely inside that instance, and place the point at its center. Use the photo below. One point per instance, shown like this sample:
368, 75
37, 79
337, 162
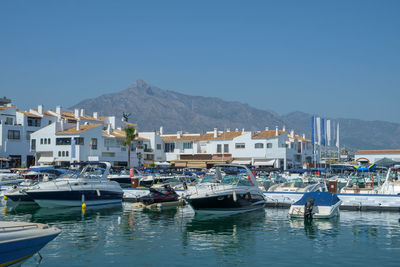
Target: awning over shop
196, 164
46, 160
180, 164
243, 162
3, 159
269, 163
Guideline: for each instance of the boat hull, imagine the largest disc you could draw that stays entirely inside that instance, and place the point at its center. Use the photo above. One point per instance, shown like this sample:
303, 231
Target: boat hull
319, 212
226, 203
20, 198
55, 198
15, 248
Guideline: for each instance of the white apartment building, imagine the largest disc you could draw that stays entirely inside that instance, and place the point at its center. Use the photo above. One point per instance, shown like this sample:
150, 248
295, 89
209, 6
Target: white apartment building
16, 126
272, 148
76, 136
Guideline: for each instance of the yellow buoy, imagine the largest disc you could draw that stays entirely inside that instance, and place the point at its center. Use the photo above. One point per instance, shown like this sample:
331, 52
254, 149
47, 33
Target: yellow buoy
5, 197
83, 206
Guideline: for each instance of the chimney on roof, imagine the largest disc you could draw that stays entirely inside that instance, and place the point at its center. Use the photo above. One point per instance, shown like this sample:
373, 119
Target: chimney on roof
236, 130
242, 130
58, 112
304, 135
179, 134
161, 130
276, 131
76, 113
228, 130
284, 128
82, 112
292, 133
78, 125
40, 109
215, 132
109, 129
95, 115
266, 128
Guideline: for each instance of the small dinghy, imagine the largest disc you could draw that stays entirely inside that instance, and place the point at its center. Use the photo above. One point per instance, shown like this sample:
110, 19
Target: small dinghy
316, 205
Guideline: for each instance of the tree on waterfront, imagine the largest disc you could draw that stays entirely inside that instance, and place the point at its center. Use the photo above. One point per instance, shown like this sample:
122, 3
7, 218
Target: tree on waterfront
130, 136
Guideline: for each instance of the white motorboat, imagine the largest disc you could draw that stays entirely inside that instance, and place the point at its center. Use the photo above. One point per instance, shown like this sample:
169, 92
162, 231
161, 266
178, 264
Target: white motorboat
21, 240
232, 193
316, 205
299, 185
91, 187
360, 185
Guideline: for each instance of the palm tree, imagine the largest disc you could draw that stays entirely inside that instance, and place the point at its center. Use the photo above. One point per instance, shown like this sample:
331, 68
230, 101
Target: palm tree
131, 135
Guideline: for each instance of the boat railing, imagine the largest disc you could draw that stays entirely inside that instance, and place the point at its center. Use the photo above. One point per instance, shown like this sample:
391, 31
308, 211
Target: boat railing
4, 228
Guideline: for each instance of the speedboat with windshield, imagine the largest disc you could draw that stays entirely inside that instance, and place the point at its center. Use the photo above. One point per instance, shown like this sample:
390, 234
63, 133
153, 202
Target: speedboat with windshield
18, 194
90, 186
236, 191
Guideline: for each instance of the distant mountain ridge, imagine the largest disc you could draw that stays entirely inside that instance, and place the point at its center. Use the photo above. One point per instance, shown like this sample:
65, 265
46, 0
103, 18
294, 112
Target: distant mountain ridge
152, 107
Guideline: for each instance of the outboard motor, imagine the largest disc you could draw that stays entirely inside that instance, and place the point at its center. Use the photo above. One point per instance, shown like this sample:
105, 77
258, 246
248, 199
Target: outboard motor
308, 208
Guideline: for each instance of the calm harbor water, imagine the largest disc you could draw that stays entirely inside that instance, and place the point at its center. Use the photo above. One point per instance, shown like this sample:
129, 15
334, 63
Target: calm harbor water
121, 236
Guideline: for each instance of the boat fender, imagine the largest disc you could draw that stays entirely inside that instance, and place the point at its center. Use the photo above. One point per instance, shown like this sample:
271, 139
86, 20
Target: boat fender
234, 196
5, 197
308, 208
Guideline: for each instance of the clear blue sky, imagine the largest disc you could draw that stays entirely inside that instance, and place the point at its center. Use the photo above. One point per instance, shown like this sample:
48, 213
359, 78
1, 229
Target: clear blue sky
333, 58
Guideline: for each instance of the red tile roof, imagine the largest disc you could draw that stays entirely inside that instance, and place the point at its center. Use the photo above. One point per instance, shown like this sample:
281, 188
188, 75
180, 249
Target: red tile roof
83, 128
268, 134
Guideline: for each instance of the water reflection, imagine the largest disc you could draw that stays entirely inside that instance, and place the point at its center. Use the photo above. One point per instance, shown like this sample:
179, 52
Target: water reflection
65, 215
225, 234
316, 227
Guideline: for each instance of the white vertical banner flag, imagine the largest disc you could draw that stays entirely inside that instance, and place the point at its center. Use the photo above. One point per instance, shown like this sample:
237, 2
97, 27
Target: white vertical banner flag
328, 132
337, 135
73, 148
318, 124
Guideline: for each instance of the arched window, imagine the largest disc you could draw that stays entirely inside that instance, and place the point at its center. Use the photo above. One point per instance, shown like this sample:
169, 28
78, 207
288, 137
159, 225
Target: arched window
63, 153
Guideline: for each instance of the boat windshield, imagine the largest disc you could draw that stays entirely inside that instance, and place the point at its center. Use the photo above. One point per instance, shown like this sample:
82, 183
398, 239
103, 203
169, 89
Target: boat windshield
92, 172
237, 179
209, 178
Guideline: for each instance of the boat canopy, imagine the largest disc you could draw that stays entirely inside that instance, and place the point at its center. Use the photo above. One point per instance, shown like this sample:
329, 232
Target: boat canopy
320, 199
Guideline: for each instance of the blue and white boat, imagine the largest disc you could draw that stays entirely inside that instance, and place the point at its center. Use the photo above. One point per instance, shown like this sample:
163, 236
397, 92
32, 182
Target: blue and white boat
91, 187
21, 240
316, 205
